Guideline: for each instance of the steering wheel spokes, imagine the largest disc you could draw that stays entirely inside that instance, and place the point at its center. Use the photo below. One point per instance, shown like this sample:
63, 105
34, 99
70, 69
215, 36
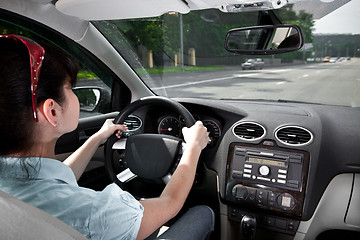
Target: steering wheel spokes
126, 176
120, 144
173, 146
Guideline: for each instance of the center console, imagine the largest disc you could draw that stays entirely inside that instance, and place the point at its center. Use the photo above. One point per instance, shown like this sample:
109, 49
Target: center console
267, 179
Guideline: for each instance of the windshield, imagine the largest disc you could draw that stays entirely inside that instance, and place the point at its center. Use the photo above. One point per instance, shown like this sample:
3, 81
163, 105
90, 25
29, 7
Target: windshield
184, 56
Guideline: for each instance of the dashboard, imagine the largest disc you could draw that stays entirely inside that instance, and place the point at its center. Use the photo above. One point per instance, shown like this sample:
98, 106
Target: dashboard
298, 184
165, 121
172, 125
273, 161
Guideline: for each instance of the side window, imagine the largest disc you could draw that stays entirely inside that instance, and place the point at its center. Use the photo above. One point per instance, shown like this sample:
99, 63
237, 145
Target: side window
94, 83
93, 93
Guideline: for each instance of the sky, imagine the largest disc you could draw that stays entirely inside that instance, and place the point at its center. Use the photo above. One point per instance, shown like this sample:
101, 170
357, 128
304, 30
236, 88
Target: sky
343, 20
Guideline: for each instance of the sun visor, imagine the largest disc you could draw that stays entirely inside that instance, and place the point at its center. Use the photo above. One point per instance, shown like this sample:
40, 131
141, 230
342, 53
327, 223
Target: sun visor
47, 14
115, 9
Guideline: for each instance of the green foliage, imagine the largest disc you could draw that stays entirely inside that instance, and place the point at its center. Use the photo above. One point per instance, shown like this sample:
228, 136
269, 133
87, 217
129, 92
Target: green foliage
162, 34
86, 75
204, 31
86, 97
338, 45
146, 32
304, 20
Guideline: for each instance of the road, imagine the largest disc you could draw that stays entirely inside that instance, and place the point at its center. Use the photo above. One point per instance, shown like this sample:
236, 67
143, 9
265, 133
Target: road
329, 83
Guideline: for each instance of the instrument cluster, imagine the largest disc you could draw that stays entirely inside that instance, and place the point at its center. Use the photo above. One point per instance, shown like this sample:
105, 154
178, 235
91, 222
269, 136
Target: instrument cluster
172, 125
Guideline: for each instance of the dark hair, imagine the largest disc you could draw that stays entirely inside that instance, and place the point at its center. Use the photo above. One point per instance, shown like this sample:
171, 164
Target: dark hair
16, 117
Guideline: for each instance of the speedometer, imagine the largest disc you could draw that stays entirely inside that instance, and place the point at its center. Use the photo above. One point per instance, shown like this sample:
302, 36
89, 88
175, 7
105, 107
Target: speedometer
169, 125
213, 129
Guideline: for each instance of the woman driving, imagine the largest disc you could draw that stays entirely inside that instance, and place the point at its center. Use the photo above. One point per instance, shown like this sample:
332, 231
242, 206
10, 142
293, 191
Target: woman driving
39, 106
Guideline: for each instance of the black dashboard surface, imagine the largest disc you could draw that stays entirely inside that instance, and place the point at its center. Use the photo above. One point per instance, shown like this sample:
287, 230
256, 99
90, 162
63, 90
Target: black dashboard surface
332, 151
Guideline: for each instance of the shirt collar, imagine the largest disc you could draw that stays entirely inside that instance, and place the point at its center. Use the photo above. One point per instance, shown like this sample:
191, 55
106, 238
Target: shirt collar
47, 169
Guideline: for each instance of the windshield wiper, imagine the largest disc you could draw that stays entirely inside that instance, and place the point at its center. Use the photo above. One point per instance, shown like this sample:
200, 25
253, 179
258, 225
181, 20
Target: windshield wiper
292, 101
269, 100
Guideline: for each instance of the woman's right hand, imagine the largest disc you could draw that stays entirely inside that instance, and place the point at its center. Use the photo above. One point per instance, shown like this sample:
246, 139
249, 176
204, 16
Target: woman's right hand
197, 135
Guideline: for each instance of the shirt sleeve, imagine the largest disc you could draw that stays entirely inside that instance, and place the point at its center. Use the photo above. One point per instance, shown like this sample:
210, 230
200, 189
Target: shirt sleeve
115, 214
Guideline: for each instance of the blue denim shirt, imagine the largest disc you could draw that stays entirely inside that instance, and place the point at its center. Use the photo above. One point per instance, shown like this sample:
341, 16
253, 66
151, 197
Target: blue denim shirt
109, 214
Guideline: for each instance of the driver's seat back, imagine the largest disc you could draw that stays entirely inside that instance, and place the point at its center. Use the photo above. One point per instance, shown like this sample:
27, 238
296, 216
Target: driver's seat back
20, 220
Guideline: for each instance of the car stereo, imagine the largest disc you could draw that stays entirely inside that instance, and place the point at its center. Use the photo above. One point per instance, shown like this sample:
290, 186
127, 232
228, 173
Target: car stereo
267, 177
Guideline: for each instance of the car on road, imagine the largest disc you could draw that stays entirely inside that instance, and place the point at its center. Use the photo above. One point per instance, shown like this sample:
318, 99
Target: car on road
333, 60
283, 162
253, 64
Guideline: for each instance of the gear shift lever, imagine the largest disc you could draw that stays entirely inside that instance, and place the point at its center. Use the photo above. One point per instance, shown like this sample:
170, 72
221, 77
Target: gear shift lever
248, 227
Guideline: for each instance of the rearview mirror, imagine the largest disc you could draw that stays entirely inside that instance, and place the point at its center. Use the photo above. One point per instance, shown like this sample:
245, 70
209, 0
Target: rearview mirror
264, 40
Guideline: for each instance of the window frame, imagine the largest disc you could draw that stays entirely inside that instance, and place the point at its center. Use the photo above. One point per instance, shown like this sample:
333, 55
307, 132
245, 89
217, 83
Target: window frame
120, 93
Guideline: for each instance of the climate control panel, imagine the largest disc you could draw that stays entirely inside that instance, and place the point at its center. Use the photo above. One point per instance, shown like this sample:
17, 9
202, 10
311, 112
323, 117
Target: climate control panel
284, 201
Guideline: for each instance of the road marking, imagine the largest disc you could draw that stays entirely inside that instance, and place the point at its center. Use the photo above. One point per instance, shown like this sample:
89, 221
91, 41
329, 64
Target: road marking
218, 79
245, 75
305, 75
278, 83
278, 70
192, 83
206, 81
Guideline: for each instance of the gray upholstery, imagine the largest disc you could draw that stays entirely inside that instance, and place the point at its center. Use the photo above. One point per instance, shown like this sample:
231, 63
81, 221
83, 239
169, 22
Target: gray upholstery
19, 220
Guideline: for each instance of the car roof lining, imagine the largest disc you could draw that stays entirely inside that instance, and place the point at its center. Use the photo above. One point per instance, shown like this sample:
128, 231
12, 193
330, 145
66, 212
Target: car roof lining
47, 14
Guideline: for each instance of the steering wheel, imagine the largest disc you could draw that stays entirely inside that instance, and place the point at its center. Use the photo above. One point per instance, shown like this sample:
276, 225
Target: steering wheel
149, 156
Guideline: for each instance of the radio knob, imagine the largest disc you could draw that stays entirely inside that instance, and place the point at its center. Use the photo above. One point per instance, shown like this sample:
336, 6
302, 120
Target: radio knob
264, 170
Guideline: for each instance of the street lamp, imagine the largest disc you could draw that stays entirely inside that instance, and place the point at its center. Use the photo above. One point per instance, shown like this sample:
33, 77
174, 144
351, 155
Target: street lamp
181, 42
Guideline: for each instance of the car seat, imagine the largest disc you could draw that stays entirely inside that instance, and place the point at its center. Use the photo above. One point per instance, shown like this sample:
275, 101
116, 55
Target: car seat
20, 220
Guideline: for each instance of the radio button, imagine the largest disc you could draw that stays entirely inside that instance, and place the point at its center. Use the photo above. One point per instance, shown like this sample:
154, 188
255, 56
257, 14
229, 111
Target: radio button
264, 179
246, 175
283, 171
281, 176
281, 181
247, 170
247, 166
264, 170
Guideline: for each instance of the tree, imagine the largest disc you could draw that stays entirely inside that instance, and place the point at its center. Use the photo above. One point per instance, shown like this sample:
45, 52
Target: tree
203, 30
302, 19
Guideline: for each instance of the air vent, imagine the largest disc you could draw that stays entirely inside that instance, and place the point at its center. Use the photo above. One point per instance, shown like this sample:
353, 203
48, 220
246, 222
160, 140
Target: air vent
249, 131
133, 123
294, 135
